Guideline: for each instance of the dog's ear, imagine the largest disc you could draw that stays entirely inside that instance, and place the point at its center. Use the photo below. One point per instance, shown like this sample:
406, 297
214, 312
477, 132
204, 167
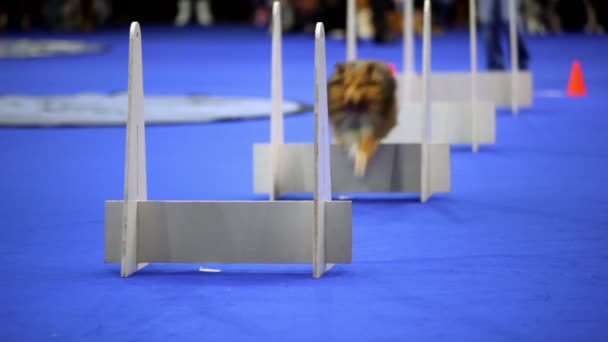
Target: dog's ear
369, 69
339, 68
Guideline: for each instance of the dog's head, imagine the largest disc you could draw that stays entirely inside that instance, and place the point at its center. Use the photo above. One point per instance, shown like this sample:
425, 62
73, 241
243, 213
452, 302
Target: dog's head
360, 85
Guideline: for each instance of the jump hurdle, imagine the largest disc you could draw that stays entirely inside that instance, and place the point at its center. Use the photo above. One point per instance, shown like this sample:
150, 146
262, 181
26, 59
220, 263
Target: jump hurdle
513, 88
417, 167
455, 120
139, 231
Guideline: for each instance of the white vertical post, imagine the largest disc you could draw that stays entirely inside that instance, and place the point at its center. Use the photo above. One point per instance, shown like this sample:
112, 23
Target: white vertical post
276, 114
473, 43
135, 171
513, 19
408, 47
351, 30
426, 101
322, 190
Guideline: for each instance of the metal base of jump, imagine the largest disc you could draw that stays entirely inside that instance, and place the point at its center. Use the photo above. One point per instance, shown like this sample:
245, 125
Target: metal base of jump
139, 231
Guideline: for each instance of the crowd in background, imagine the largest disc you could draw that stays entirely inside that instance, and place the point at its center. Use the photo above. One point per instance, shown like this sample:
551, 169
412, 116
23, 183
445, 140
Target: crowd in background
378, 19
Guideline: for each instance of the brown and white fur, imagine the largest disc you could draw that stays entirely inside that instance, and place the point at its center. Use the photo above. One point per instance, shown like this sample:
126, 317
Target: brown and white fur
362, 107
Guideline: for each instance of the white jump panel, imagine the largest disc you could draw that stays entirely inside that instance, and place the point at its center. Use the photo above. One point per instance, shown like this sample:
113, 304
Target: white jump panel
139, 231
413, 165
450, 122
230, 232
492, 86
512, 88
394, 168
460, 113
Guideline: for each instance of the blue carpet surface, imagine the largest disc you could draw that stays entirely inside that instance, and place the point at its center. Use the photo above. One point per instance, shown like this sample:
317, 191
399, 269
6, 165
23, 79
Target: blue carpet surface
518, 251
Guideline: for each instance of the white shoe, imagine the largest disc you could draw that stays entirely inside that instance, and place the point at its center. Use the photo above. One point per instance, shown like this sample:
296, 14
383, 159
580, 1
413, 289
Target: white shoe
184, 12
536, 27
365, 26
337, 34
203, 13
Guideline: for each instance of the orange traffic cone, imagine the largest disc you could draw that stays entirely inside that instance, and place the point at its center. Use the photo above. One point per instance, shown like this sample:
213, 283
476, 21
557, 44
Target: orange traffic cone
576, 84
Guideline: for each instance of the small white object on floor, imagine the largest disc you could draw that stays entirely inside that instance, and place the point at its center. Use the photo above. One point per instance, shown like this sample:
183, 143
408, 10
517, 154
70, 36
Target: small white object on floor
210, 270
550, 93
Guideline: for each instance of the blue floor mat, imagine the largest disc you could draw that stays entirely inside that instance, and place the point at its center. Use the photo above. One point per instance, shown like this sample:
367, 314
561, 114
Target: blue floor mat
516, 252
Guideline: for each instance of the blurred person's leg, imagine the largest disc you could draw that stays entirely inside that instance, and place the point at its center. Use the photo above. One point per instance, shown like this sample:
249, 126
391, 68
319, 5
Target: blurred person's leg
379, 15
444, 10
261, 13
334, 17
418, 16
3, 17
15, 15
533, 17
204, 15
552, 16
71, 15
303, 14
51, 11
88, 15
601, 10
489, 17
593, 24
523, 55
102, 10
572, 14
